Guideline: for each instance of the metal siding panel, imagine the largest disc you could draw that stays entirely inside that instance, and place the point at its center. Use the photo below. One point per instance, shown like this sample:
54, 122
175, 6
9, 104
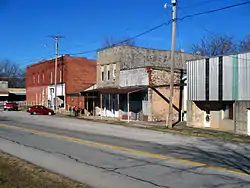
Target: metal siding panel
242, 77
247, 56
202, 78
196, 65
227, 78
244, 93
196, 80
193, 81
188, 81
213, 79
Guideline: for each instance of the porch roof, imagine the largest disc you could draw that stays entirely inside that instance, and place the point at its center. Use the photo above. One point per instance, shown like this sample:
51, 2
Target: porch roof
116, 90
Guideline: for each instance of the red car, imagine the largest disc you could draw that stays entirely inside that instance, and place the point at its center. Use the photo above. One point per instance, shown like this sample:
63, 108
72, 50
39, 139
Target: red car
41, 110
10, 106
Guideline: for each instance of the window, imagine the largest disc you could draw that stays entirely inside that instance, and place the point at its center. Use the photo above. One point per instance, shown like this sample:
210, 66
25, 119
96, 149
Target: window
60, 76
51, 77
228, 112
43, 77
114, 71
102, 75
108, 71
34, 79
38, 78
108, 75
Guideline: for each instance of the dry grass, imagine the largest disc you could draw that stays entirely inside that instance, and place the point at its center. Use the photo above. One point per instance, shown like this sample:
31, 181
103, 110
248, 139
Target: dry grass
16, 173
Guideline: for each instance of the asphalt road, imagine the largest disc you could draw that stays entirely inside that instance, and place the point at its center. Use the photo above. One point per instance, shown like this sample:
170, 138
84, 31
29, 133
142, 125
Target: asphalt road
111, 156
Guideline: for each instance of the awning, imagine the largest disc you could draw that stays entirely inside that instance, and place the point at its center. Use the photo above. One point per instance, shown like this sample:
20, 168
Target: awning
78, 92
117, 90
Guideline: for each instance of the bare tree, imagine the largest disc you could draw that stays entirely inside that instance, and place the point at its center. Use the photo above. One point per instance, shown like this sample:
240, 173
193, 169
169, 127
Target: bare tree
111, 42
11, 72
245, 44
215, 45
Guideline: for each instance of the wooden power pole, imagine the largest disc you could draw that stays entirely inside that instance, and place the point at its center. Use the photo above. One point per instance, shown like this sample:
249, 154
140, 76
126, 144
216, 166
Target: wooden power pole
56, 38
169, 120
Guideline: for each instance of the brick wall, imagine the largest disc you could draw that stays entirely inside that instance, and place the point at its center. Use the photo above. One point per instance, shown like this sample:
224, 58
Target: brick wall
77, 74
161, 107
75, 101
34, 95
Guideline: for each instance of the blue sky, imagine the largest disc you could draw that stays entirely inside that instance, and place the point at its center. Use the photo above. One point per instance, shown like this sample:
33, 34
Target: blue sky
25, 25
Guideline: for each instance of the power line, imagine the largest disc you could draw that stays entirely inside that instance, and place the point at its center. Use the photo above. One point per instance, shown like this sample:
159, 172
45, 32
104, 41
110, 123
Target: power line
129, 39
197, 4
214, 10
167, 23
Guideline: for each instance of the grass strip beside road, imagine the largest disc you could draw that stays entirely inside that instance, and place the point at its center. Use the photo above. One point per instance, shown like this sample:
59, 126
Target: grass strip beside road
18, 173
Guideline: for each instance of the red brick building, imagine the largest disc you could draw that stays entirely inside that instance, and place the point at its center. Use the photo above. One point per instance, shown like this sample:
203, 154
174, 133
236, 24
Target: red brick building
73, 74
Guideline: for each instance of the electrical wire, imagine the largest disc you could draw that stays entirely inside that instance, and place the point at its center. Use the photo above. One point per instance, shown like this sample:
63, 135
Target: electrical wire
213, 10
197, 4
129, 39
167, 23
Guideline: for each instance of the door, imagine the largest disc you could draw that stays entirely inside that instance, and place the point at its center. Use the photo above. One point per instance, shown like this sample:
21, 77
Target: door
207, 119
44, 110
38, 110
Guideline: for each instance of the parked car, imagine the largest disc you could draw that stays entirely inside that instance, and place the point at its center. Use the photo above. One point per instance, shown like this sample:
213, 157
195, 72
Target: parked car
40, 110
10, 106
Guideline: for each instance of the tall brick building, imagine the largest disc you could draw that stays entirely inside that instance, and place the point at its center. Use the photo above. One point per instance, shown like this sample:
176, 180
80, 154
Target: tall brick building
73, 74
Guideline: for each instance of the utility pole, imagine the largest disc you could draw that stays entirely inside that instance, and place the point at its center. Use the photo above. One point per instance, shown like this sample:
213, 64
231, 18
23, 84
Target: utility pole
169, 123
56, 38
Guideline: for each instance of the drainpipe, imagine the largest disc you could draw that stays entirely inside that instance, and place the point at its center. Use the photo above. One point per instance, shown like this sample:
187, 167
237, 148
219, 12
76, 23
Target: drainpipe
101, 103
128, 106
234, 115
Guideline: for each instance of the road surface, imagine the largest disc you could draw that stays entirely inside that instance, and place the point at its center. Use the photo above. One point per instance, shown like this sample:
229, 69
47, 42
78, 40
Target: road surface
110, 156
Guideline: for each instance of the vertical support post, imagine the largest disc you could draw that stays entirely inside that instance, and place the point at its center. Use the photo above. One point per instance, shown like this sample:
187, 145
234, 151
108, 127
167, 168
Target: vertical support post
118, 105
93, 103
181, 96
101, 103
109, 103
169, 123
87, 102
128, 107
234, 116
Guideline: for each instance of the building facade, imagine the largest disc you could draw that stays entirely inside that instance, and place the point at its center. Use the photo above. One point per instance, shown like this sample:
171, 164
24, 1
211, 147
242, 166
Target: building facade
133, 83
73, 74
219, 93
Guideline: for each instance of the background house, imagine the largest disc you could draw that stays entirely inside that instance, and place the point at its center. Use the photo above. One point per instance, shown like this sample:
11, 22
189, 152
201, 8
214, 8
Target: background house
74, 73
133, 83
219, 93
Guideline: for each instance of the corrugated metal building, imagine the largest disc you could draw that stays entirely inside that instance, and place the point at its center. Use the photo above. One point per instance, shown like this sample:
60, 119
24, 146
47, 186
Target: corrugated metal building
219, 93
